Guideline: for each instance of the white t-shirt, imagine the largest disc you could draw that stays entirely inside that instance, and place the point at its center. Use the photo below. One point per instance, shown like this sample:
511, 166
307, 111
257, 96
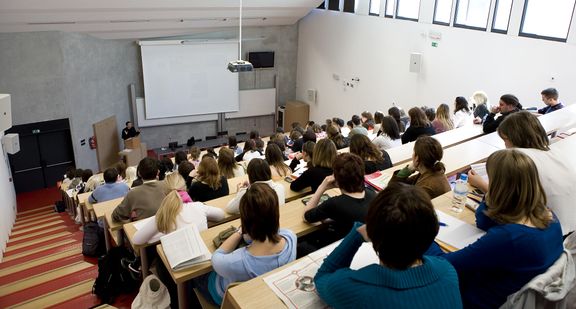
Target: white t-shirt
192, 213
463, 118
233, 206
384, 142
557, 172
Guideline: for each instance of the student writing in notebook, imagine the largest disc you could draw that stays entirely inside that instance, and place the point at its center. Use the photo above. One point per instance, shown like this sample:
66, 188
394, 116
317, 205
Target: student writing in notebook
524, 132
401, 224
523, 237
270, 247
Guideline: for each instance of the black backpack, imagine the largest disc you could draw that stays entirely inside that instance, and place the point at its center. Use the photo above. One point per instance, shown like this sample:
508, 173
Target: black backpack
93, 240
113, 279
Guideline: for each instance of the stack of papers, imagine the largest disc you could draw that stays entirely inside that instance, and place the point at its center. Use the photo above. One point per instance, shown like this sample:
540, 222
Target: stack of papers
377, 180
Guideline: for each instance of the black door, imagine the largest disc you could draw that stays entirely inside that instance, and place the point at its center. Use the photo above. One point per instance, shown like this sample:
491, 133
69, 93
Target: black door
45, 154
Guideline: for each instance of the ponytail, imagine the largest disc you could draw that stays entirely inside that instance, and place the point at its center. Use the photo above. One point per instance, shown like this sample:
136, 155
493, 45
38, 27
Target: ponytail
169, 209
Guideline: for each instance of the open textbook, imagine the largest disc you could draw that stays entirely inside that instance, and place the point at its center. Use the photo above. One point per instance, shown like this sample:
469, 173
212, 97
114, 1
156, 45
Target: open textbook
377, 180
185, 247
294, 285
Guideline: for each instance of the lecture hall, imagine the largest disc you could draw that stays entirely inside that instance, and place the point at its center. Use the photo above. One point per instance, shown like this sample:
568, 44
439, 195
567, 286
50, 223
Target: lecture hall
287, 154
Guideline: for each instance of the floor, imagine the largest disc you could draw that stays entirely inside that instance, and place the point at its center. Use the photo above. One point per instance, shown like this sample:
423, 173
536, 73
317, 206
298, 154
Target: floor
43, 266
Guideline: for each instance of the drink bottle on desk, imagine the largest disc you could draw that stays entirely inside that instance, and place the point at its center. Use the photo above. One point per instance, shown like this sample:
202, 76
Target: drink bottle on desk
460, 192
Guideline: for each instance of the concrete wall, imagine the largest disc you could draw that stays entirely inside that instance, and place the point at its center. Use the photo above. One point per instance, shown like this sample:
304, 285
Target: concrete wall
377, 51
53, 75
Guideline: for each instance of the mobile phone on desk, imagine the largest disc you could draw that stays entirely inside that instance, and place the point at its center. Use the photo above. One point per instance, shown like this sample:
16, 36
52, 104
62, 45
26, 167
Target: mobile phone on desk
323, 198
288, 179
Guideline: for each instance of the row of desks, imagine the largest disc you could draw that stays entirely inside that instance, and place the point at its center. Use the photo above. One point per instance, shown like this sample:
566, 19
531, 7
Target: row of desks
244, 296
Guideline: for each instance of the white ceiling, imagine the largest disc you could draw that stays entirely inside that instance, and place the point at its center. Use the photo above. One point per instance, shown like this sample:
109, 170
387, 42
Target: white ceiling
137, 19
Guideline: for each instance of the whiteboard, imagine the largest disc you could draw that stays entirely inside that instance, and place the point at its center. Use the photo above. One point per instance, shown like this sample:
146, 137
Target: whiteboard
255, 102
183, 78
144, 122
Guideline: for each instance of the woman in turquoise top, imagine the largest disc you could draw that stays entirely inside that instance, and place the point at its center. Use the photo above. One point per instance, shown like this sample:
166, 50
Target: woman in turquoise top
523, 237
401, 223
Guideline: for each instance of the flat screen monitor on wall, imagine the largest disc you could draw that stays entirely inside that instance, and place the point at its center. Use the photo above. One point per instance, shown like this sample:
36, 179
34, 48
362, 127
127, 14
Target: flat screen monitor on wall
261, 59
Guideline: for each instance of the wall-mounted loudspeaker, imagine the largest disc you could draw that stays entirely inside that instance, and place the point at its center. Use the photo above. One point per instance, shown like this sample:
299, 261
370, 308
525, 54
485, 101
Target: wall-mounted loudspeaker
415, 62
5, 112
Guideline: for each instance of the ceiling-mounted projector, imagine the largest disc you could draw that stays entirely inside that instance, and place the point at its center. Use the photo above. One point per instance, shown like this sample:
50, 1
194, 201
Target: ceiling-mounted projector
240, 66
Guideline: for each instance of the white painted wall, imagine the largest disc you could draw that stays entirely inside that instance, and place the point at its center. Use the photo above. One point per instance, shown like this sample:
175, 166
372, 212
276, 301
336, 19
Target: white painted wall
7, 200
377, 51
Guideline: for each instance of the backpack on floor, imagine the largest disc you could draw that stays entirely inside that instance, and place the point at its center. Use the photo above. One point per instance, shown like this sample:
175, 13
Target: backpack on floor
113, 279
59, 206
93, 240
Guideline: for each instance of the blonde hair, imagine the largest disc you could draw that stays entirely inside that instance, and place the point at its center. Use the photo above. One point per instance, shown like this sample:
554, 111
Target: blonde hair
208, 172
515, 192
480, 97
175, 181
324, 153
443, 116
169, 209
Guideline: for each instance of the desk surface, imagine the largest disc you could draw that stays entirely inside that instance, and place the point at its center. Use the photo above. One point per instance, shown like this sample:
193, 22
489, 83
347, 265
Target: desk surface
403, 153
291, 217
104, 211
242, 295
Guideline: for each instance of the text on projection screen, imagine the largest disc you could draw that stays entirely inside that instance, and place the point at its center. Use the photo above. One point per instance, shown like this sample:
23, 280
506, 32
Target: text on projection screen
190, 79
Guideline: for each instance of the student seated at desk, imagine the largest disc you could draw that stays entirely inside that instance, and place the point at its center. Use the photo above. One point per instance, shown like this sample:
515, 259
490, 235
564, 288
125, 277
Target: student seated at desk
507, 105
184, 169
374, 158
401, 224
270, 247
395, 113
523, 237
194, 153
324, 154
335, 136
179, 157
175, 213
442, 122
208, 184
258, 172
462, 114
143, 201
426, 161
233, 145
249, 153
550, 98
345, 209
227, 165
275, 159
306, 154
388, 135
523, 131
113, 188
419, 125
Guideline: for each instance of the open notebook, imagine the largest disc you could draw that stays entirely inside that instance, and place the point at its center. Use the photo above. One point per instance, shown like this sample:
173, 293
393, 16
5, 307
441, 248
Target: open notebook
185, 247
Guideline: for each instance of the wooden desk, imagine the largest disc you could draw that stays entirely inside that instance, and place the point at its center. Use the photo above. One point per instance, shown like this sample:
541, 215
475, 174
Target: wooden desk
81, 199
403, 154
104, 211
459, 157
291, 217
244, 296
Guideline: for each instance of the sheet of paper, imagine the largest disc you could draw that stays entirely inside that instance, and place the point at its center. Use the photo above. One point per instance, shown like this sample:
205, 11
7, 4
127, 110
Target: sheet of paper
456, 232
480, 169
140, 223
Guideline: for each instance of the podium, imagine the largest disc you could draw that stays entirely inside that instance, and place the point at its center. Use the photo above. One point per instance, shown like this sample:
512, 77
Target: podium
134, 151
132, 143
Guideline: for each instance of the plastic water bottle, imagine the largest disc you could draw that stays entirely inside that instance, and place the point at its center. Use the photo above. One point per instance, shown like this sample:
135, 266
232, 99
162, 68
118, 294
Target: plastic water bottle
460, 192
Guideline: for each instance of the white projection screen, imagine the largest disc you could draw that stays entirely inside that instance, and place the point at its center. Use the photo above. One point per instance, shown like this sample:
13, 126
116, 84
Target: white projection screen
183, 78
